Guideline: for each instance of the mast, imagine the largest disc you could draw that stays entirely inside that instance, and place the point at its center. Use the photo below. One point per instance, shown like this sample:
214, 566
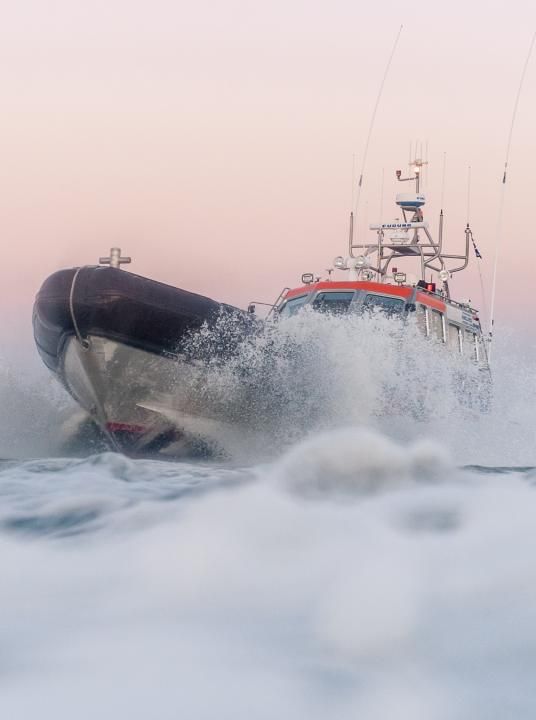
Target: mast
406, 238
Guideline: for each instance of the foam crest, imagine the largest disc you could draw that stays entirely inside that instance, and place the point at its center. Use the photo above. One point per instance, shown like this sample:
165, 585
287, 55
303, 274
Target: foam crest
357, 461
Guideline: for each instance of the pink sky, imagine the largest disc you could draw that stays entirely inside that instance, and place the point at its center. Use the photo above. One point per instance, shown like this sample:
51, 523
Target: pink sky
213, 141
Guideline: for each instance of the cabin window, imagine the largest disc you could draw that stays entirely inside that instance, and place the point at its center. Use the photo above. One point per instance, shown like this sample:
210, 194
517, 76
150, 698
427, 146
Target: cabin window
423, 321
333, 302
438, 329
291, 307
454, 338
481, 350
384, 303
469, 344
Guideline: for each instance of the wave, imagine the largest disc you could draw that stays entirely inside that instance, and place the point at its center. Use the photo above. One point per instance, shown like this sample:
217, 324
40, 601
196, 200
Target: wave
351, 577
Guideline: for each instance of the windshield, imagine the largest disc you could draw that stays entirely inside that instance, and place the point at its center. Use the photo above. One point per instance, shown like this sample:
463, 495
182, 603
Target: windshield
384, 303
333, 302
291, 307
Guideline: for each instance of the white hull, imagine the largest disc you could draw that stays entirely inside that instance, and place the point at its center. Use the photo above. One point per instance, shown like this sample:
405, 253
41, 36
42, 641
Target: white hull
142, 402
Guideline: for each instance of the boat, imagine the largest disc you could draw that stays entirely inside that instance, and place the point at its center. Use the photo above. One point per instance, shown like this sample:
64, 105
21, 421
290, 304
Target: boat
123, 345
116, 341
376, 279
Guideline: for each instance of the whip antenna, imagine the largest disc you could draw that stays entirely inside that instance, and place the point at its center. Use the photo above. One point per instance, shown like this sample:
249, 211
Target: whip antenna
353, 180
443, 180
373, 118
468, 194
503, 190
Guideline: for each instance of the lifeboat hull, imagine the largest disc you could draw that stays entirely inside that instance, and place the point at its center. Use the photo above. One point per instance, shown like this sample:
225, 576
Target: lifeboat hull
117, 342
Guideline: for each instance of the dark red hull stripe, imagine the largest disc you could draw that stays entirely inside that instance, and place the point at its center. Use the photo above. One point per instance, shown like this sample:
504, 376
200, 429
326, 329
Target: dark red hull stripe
115, 427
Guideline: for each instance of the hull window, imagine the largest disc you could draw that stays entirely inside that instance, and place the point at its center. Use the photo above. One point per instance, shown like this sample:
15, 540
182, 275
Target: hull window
454, 338
385, 303
438, 329
423, 321
480, 349
469, 342
291, 307
333, 302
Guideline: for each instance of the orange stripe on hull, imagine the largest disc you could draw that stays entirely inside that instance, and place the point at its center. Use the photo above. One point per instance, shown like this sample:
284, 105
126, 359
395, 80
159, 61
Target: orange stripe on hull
431, 301
403, 292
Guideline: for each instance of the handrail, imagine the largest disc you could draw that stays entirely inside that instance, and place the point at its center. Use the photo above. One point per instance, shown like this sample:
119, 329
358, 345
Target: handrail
278, 300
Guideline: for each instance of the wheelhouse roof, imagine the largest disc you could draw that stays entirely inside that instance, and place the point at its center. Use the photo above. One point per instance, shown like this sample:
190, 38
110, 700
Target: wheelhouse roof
400, 291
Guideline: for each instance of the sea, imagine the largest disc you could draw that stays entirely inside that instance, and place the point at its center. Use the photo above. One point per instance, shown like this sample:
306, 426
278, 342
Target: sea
360, 547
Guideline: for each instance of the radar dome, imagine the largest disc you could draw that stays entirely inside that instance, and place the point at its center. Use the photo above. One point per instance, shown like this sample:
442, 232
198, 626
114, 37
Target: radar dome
410, 201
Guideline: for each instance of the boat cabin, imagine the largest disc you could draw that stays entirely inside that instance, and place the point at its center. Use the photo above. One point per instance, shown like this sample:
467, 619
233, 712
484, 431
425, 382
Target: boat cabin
455, 324
372, 278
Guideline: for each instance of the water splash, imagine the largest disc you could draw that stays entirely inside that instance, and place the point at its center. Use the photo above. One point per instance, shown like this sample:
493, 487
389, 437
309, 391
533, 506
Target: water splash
33, 409
253, 397
313, 372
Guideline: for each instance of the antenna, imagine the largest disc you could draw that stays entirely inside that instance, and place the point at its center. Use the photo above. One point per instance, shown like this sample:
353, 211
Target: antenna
381, 195
468, 194
373, 118
353, 180
426, 171
443, 180
503, 191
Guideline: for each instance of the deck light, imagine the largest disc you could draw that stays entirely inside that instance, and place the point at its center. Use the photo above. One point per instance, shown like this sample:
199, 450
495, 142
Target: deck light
444, 275
399, 277
361, 262
307, 278
339, 263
